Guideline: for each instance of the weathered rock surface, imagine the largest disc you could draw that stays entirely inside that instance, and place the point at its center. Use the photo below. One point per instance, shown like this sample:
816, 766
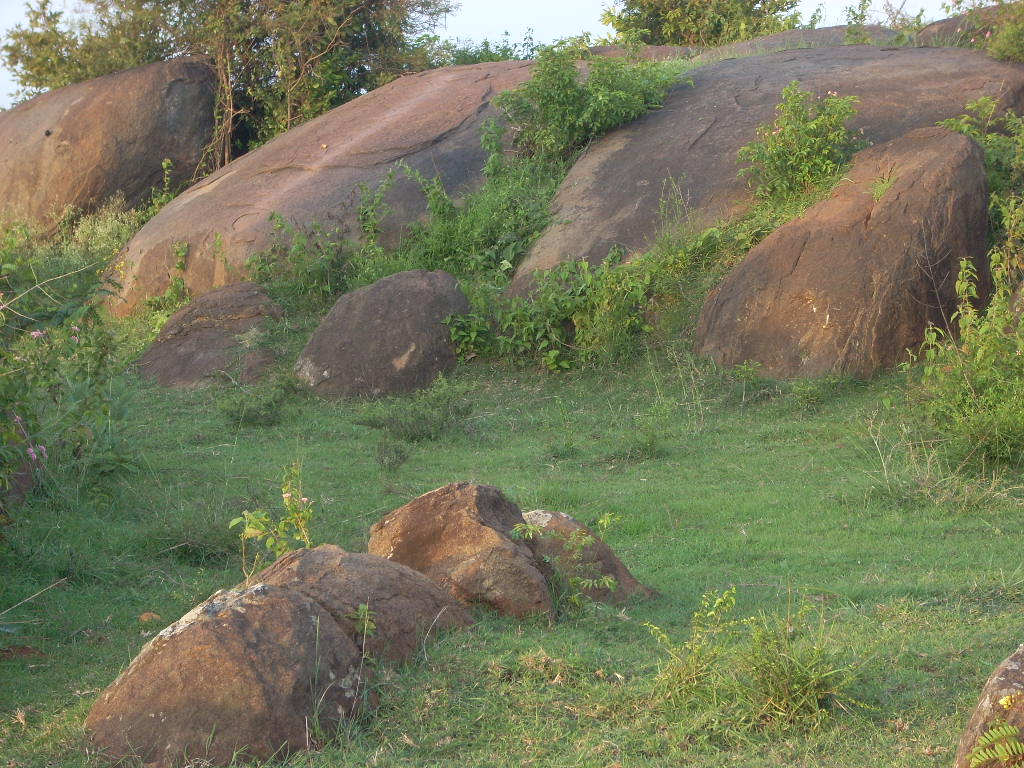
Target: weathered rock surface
958, 30
459, 536
384, 338
790, 39
84, 143
611, 196
1007, 680
406, 606
647, 52
250, 672
430, 120
575, 551
201, 340
852, 284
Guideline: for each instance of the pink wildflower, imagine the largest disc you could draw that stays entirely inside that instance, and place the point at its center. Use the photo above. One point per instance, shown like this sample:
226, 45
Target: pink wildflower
37, 334
74, 339
286, 496
305, 500
32, 454
42, 450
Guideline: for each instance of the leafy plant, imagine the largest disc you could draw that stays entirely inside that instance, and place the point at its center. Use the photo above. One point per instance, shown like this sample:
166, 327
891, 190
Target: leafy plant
557, 111
304, 269
972, 384
778, 675
999, 746
807, 143
277, 535
856, 20
703, 23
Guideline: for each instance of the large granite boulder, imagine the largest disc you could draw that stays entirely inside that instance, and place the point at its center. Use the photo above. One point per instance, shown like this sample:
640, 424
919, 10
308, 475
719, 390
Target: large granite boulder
852, 284
612, 196
460, 536
84, 143
577, 554
202, 340
384, 338
819, 37
1002, 699
405, 606
318, 171
250, 673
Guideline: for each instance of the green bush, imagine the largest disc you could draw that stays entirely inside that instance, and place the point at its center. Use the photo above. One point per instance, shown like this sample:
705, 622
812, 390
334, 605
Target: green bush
559, 110
972, 384
702, 23
303, 270
807, 143
61, 392
424, 415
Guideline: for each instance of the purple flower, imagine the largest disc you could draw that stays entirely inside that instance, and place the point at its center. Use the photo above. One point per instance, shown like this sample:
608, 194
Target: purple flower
42, 450
36, 334
32, 454
74, 339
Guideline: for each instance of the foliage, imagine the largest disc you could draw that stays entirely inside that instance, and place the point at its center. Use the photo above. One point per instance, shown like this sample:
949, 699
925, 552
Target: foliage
1001, 136
430, 51
558, 111
998, 747
257, 405
61, 389
779, 675
971, 379
483, 237
1006, 41
704, 23
806, 143
277, 535
278, 62
578, 313
856, 19
304, 268
973, 384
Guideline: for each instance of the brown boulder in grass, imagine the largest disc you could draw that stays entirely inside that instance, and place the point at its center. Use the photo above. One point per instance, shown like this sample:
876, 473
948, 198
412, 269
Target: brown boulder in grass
85, 143
201, 340
317, 171
852, 284
250, 673
575, 552
460, 537
384, 338
406, 607
1002, 699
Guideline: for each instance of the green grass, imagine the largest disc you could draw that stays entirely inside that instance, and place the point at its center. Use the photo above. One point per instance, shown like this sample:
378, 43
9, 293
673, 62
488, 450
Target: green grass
728, 483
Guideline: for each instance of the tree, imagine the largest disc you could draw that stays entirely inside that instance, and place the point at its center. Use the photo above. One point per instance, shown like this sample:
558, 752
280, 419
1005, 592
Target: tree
703, 23
278, 62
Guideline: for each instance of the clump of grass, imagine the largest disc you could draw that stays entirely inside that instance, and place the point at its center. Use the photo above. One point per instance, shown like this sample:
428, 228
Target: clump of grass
424, 415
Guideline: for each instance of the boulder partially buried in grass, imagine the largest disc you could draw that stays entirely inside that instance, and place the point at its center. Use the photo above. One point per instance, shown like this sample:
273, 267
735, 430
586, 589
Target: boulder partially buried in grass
461, 536
386, 608
1002, 700
273, 668
202, 340
384, 338
250, 673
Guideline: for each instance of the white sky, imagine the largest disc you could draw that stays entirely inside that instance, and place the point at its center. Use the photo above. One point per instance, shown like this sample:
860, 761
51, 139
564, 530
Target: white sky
550, 20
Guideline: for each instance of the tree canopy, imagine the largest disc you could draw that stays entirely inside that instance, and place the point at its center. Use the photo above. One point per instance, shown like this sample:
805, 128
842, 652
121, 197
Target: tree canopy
701, 23
278, 62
